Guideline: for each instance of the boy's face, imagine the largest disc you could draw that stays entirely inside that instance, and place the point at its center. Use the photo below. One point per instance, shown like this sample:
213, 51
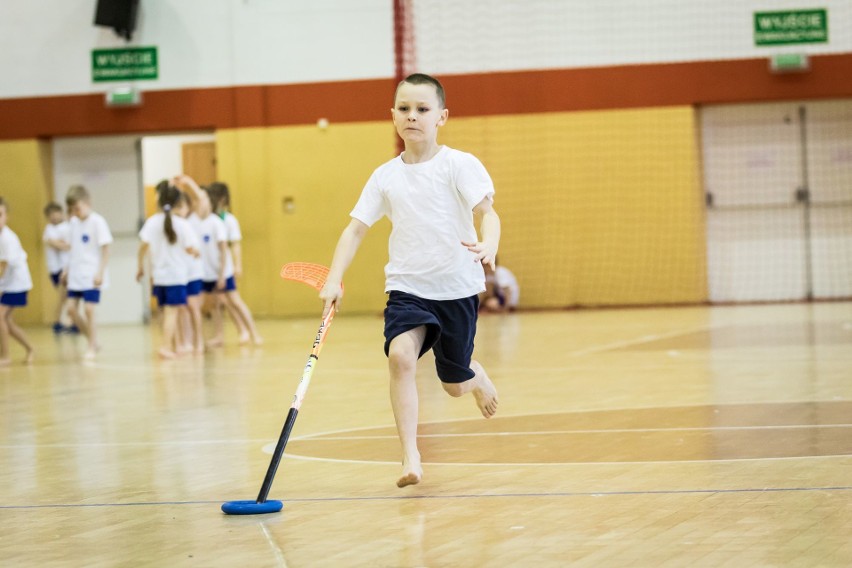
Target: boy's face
55, 217
81, 209
417, 113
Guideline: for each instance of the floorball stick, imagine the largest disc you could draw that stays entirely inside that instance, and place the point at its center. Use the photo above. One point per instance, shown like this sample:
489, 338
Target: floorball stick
313, 275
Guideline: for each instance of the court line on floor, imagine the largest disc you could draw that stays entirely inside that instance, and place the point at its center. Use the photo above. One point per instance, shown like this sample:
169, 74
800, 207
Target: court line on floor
547, 495
269, 448
589, 431
637, 341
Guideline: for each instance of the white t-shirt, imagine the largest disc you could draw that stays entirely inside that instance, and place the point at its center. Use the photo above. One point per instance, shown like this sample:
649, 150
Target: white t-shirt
194, 264
431, 208
232, 226
168, 260
87, 237
56, 259
211, 231
16, 278
504, 278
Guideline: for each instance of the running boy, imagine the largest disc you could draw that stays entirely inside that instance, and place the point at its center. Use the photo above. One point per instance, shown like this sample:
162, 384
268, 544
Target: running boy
15, 282
430, 193
86, 273
57, 240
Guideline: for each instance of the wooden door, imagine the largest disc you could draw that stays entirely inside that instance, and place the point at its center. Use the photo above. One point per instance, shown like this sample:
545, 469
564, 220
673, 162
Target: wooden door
199, 161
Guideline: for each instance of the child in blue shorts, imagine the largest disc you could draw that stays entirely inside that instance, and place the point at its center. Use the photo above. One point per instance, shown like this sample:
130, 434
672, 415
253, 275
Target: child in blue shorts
15, 282
430, 193
167, 236
86, 274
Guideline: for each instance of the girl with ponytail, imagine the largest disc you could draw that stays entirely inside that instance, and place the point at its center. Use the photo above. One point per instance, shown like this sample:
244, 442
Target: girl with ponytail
167, 238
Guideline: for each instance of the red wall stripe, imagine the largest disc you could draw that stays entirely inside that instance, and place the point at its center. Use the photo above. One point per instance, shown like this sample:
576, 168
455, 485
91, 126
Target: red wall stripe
633, 86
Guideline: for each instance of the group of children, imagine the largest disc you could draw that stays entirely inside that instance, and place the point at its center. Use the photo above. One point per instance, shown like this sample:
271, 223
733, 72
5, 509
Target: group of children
191, 263
193, 247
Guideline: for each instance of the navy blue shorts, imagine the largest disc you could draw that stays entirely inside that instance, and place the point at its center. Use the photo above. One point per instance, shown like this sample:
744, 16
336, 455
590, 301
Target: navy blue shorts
91, 296
193, 288
15, 299
450, 329
54, 278
209, 286
170, 295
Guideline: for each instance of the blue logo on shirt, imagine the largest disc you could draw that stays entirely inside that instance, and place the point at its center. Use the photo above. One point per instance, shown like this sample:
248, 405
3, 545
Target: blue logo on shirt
206, 238
85, 238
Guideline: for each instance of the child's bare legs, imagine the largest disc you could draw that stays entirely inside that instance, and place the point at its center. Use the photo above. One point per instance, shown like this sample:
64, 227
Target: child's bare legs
193, 304
91, 330
170, 314
226, 303
85, 325
184, 338
20, 336
216, 315
402, 362
61, 311
72, 307
482, 388
4, 336
9, 328
242, 318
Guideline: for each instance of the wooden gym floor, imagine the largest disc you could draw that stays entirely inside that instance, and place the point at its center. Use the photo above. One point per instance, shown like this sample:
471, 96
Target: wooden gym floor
646, 437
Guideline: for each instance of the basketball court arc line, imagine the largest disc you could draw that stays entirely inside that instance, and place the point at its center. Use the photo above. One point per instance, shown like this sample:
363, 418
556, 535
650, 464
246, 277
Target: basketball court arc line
545, 495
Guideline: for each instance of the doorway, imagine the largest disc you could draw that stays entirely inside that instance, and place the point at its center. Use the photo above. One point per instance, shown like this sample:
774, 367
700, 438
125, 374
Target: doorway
120, 172
778, 182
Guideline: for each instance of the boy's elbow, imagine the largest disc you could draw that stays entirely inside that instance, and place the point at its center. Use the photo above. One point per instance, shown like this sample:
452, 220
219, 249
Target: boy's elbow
357, 228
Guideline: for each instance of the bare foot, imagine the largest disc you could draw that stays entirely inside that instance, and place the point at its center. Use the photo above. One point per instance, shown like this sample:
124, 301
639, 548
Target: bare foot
257, 340
183, 350
484, 392
244, 339
30, 357
5, 362
90, 353
412, 473
215, 342
166, 354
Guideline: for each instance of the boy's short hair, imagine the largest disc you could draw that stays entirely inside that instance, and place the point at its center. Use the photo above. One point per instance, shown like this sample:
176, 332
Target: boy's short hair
3, 203
424, 79
51, 208
76, 193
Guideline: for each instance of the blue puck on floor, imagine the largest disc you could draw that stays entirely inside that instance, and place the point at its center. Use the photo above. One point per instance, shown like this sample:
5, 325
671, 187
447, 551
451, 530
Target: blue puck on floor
251, 507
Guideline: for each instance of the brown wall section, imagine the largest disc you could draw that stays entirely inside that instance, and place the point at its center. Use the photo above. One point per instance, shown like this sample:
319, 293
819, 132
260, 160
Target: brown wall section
633, 86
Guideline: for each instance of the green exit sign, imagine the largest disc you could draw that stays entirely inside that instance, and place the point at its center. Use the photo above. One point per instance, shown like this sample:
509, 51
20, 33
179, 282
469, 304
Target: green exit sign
125, 64
791, 27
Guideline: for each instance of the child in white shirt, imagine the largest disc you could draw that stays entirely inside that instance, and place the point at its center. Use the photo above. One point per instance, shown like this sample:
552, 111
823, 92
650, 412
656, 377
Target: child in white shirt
218, 279
430, 193
15, 282
57, 237
220, 197
168, 238
86, 274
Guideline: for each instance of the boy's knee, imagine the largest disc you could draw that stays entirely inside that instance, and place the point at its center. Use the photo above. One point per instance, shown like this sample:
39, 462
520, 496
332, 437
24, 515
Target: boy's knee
401, 359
